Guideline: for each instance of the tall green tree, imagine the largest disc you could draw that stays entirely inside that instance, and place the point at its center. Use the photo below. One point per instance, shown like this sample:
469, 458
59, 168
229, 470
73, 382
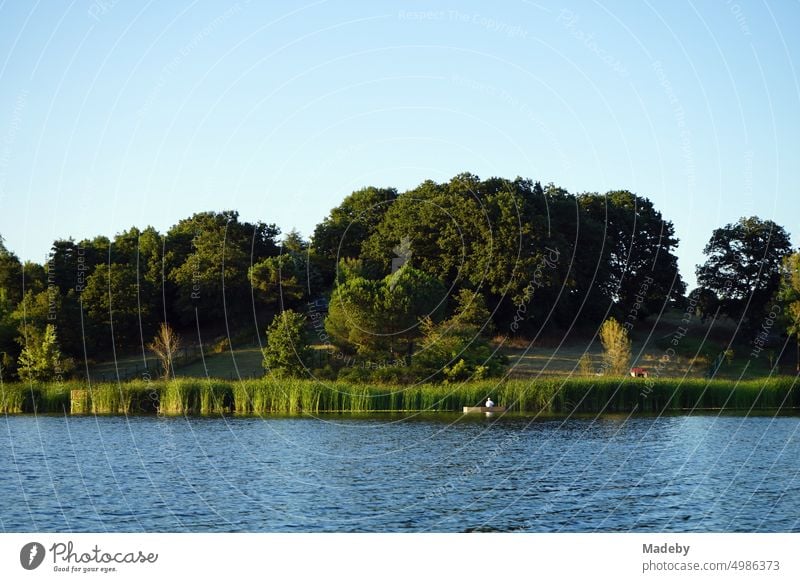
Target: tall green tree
383, 317
8, 331
354, 312
743, 266
471, 312
10, 274
62, 265
10, 295
119, 301
50, 307
289, 278
35, 277
789, 295
640, 268
511, 240
343, 232
208, 259
66, 271
287, 352
36, 310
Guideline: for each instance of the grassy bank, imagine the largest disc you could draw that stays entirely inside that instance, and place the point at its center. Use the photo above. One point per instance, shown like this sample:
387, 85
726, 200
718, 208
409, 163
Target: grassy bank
272, 396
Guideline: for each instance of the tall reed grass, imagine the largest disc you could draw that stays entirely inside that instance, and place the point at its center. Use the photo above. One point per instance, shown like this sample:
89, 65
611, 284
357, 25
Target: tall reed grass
26, 398
132, 397
189, 396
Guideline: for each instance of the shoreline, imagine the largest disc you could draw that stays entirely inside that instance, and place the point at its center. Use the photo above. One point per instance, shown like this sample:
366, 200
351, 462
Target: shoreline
292, 397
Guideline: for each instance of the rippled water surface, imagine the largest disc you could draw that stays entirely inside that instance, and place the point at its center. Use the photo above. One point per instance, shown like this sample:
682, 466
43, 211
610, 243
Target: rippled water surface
389, 473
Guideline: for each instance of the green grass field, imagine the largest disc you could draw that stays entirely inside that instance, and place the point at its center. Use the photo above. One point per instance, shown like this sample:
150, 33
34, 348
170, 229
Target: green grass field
555, 358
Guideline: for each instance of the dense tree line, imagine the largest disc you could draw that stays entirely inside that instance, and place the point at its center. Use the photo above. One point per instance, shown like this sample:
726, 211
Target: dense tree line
421, 279
105, 296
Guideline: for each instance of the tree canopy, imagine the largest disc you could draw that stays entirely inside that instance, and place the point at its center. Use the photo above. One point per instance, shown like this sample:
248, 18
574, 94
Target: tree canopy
743, 268
425, 278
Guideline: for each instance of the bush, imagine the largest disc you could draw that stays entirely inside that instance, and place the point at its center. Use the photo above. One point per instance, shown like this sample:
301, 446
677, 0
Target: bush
287, 353
454, 352
221, 346
617, 346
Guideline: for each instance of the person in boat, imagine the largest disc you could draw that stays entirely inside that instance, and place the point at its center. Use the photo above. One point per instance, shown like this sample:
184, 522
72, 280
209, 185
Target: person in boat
489, 403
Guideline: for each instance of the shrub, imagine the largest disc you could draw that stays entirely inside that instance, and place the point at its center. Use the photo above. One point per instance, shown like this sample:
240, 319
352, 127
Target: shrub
617, 347
41, 358
165, 346
287, 352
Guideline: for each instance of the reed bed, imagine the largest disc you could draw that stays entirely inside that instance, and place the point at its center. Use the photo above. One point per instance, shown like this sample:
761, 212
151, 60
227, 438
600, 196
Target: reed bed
189, 396
133, 397
12, 398
16, 398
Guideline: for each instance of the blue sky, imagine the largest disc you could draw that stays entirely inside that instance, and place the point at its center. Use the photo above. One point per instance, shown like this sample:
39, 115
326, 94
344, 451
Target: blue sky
116, 113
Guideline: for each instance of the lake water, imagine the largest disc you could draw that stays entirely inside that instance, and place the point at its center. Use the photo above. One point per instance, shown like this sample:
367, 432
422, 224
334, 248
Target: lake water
390, 473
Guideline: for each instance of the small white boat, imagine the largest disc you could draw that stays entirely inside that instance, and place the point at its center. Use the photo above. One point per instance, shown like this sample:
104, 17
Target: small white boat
485, 409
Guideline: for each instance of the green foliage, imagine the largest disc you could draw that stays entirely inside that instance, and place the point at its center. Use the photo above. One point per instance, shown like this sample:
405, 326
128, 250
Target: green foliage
62, 266
455, 350
116, 298
352, 268
705, 303
509, 238
510, 255
36, 311
789, 293
208, 261
471, 312
290, 278
303, 396
743, 268
8, 331
616, 346
381, 318
10, 275
287, 353
35, 277
343, 232
408, 296
464, 229
51, 299
789, 296
40, 359
638, 264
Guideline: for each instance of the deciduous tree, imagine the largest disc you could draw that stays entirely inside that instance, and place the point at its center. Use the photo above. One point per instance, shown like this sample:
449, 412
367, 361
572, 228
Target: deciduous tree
743, 267
789, 295
166, 345
616, 346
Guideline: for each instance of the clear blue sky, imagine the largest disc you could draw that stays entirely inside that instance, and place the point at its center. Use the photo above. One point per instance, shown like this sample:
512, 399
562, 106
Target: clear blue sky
117, 113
